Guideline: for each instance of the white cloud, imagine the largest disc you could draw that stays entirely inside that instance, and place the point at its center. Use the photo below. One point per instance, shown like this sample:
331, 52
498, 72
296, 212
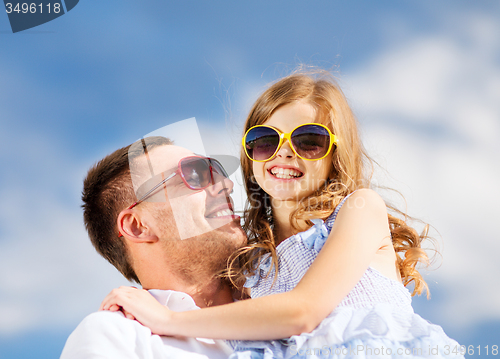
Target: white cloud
450, 77
430, 114
51, 274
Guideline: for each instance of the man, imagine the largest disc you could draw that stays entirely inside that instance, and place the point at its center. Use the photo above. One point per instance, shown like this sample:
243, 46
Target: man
168, 225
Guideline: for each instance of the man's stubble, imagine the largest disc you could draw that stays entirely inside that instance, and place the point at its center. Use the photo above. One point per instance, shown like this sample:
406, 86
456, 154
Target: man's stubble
201, 258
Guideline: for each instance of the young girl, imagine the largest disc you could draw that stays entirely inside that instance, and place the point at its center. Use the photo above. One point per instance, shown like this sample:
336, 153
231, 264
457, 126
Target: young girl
326, 264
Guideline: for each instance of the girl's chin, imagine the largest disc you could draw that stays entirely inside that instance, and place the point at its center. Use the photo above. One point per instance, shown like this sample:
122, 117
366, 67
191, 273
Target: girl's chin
286, 196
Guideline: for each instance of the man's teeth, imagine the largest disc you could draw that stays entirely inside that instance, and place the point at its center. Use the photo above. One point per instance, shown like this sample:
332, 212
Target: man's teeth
285, 173
223, 213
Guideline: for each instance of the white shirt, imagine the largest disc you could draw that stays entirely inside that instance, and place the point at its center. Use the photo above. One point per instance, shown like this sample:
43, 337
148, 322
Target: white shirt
110, 335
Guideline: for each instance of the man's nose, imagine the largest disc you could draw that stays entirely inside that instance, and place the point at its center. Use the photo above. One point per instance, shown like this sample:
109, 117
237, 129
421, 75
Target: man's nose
222, 185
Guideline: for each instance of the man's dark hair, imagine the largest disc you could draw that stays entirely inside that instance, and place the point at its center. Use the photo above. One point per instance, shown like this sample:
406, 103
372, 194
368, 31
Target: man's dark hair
107, 190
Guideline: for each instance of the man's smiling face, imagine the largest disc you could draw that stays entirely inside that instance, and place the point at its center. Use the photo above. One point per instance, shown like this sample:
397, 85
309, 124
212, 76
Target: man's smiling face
195, 212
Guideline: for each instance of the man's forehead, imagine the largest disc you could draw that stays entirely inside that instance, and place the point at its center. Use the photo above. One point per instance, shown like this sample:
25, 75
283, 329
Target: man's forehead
167, 157
158, 160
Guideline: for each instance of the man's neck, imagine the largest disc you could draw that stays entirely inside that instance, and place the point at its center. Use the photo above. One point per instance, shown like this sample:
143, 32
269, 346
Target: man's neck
207, 291
215, 292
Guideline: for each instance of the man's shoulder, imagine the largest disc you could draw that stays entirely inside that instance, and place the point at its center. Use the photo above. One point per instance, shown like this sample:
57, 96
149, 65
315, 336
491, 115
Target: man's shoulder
114, 324
102, 334
106, 320
107, 334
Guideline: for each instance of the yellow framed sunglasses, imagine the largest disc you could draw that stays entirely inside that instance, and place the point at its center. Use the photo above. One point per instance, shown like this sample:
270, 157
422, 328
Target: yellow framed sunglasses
309, 141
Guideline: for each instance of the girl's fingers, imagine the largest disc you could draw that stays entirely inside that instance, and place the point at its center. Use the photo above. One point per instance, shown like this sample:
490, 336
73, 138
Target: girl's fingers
114, 308
128, 315
117, 308
117, 296
130, 300
107, 302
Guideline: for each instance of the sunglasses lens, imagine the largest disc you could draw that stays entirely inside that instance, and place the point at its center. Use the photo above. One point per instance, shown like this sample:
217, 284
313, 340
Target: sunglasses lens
311, 141
261, 143
218, 168
197, 174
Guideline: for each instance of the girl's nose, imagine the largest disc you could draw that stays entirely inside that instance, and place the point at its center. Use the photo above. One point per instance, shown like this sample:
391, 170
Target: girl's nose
285, 151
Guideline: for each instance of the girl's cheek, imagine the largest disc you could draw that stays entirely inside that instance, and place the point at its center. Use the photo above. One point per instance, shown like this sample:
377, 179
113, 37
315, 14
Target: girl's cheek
258, 169
258, 173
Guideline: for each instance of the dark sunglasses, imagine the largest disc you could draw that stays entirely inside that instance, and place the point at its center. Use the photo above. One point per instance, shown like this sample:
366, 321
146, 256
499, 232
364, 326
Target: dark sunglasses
196, 172
309, 141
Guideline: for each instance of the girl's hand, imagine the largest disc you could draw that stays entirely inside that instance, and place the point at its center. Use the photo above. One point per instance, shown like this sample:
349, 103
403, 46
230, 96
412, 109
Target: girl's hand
138, 304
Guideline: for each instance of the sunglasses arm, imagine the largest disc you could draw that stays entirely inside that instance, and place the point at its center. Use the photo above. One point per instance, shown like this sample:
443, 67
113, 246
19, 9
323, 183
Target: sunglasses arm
152, 190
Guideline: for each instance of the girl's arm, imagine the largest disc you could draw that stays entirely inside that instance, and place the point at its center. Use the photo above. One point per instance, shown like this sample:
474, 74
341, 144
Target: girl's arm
359, 230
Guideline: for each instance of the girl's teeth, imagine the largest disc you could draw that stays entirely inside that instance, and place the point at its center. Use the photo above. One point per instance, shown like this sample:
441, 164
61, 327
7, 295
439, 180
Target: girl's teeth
287, 173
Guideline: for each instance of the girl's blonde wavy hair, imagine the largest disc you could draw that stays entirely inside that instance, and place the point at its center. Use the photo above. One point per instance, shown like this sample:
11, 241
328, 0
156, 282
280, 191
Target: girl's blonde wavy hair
319, 89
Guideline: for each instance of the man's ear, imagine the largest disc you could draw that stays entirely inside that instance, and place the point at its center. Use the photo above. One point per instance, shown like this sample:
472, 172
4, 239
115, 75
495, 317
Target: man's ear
132, 227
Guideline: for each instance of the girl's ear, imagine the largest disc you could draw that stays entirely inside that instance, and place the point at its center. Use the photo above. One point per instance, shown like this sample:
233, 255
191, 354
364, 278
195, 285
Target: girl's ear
132, 227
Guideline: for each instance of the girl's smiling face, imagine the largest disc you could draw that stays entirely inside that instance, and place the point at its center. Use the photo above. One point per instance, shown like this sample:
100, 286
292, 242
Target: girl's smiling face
286, 177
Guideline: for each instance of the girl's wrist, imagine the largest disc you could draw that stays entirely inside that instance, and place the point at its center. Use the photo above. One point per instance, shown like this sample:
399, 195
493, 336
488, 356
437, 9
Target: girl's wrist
167, 322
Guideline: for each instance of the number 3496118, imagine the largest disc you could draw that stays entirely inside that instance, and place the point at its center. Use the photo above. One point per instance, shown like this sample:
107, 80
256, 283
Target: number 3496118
33, 8
471, 350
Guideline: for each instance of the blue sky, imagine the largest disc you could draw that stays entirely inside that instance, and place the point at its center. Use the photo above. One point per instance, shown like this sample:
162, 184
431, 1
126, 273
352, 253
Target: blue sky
423, 77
